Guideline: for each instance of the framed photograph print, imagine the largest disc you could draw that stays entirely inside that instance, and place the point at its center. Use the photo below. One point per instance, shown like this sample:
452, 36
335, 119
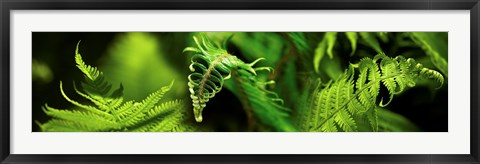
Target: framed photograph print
202, 81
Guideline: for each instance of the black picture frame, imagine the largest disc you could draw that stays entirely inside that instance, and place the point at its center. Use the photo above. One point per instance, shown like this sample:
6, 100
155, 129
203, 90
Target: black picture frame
5, 83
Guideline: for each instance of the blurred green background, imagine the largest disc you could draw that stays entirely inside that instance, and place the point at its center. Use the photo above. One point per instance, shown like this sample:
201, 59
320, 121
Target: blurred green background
145, 61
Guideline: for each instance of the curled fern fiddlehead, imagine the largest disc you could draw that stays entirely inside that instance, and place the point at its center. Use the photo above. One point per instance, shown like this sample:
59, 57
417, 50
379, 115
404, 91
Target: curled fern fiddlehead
210, 66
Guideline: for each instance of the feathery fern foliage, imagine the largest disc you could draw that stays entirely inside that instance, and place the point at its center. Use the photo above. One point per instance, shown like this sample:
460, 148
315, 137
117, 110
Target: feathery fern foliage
350, 98
109, 111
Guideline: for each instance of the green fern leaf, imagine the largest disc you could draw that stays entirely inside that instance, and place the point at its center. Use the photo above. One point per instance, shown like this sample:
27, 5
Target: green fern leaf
95, 83
325, 46
338, 105
170, 106
59, 125
88, 120
371, 40
164, 117
352, 37
109, 112
141, 109
372, 118
345, 121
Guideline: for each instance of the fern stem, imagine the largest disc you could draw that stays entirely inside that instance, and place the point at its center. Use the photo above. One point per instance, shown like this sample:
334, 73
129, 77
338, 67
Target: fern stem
371, 83
208, 74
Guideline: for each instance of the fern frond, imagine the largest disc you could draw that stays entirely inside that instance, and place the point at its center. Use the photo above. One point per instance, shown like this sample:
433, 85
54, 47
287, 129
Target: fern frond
59, 125
140, 110
163, 117
325, 46
133, 114
164, 122
90, 72
210, 66
370, 39
352, 37
338, 104
124, 110
167, 125
345, 121
329, 126
109, 112
95, 83
320, 100
435, 47
170, 106
106, 104
76, 115
372, 118
90, 120
82, 106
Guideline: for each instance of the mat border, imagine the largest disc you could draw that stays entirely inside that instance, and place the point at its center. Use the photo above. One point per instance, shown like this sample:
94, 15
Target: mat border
8, 5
